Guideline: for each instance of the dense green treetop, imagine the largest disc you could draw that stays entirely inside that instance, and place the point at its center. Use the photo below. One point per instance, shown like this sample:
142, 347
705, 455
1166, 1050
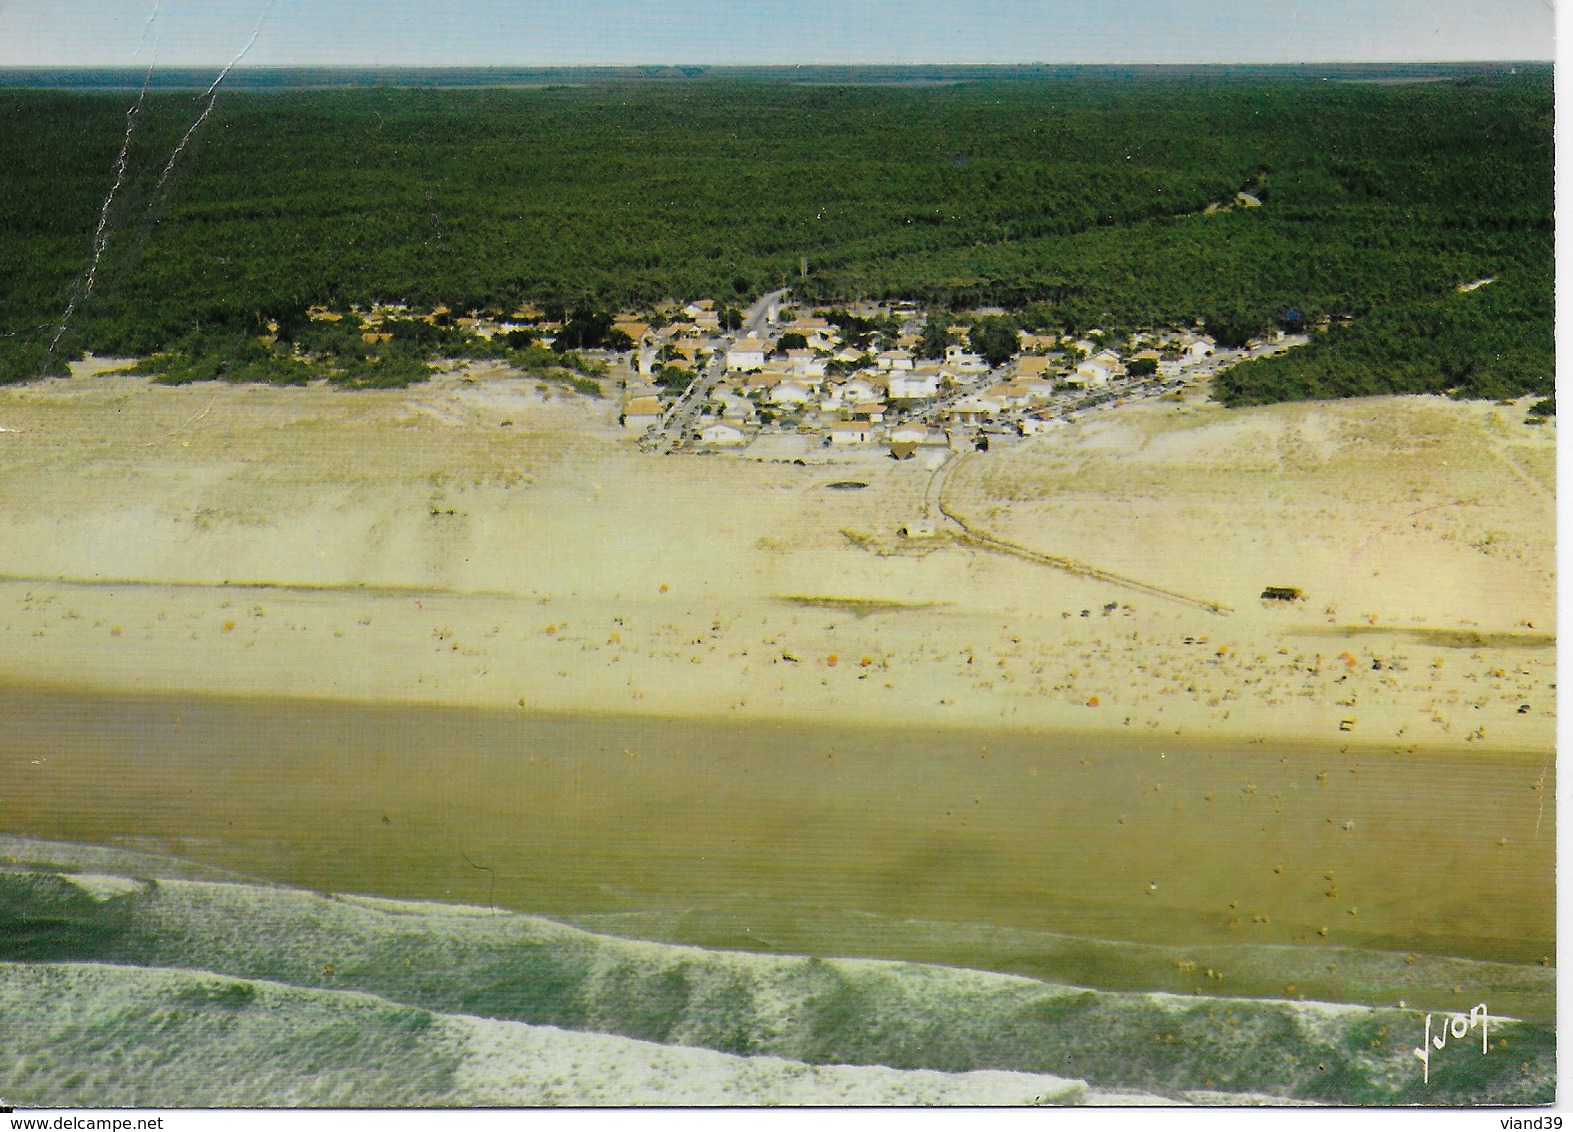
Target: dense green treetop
936, 338
1074, 203
994, 337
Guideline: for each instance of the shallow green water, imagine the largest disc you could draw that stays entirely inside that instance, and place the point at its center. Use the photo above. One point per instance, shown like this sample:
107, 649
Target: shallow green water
731, 828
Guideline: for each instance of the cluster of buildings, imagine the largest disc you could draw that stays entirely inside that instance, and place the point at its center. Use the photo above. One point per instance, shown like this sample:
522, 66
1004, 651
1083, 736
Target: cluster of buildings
529, 318
801, 373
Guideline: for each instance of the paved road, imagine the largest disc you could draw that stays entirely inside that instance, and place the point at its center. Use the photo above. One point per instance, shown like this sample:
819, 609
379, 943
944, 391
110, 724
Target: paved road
754, 316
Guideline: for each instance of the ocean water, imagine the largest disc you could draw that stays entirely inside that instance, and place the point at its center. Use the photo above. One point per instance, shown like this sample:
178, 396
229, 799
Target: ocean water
971, 848
224, 989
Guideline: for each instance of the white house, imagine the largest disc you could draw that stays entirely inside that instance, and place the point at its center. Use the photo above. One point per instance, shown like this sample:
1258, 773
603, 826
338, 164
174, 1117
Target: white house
746, 353
861, 390
965, 362
1012, 394
806, 363
1035, 390
893, 359
915, 383
1098, 370
733, 406
973, 409
851, 432
639, 413
789, 393
722, 432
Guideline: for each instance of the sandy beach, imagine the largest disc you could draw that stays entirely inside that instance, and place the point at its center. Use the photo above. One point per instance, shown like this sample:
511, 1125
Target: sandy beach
485, 540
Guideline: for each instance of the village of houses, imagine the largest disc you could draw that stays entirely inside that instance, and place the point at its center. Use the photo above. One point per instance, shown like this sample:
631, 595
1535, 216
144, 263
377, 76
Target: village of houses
796, 375
792, 382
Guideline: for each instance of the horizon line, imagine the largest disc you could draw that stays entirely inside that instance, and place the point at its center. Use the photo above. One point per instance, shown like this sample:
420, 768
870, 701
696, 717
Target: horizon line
679, 64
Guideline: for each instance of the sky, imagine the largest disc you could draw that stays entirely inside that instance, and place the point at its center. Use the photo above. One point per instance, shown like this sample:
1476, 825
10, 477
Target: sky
137, 33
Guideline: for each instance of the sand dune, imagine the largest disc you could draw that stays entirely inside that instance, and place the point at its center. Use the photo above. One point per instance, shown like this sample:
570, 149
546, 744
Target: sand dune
314, 542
